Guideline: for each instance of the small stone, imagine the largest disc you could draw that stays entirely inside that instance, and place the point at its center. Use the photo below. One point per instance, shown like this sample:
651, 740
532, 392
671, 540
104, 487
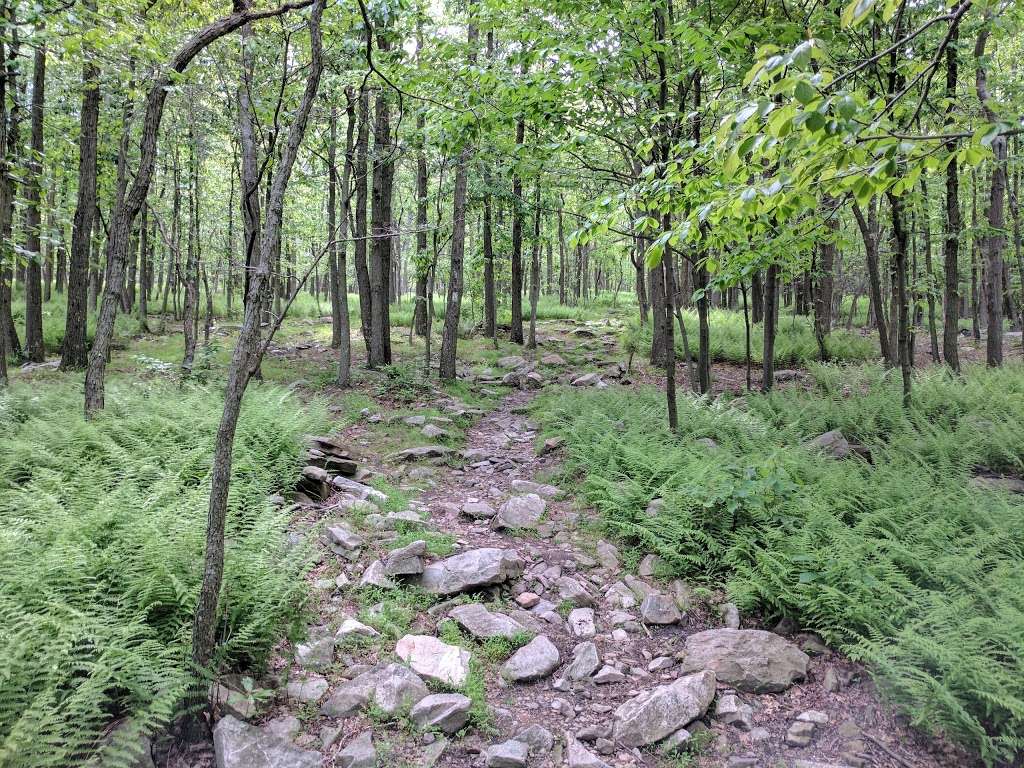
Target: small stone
478, 510
619, 595
581, 622
306, 689
316, 654
675, 741
415, 421
732, 711
585, 661
831, 443
537, 659
351, 627
527, 599
449, 712
660, 664
472, 569
484, 624
407, 560
537, 738
358, 753
800, 734
607, 555
343, 538
434, 659
433, 432
240, 745
284, 727
570, 590
519, 512
658, 608
507, 754
830, 682
813, 716
528, 487
579, 756
649, 566
652, 715
730, 615
608, 674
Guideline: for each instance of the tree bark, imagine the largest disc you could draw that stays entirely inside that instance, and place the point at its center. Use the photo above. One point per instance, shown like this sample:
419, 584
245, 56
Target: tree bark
951, 243
517, 241
771, 316
422, 259
345, 345
825, 280
535, 268
903, 311
361, 182
869, 233
34, 349
380, 261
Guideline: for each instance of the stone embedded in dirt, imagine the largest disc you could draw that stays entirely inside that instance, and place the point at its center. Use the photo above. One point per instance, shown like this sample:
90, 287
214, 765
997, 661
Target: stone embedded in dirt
608, 674
581, 622
508, 754
537, 738
660, 664
432, 753
376, 576
483, 624
788, 374
447, 712
731, 710
415, 421
749, 659
471, 569
284, 727
397, 689
573, 592
682, 594
830, 682
433, 432
654, 714
587, 380
639, 587
407, 560
649, 566
478, 510
527, 599
658, 608
553, 358
537, 659
813, 716
511, 361
833, 443
360, 491
306, 689
655, 507
585, 661
434, 659
551, 445
358, 753
316, 654
240, 745
676, 741
730, 615
579, 756
800, 734
352, 695
608, 555
343, 539
528, 486
998, 483
519, 512
353, 628
424, 452
620, 596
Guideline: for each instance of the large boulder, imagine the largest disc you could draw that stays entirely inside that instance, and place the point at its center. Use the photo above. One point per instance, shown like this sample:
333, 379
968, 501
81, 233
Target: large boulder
240, 745
434, 659
537, 659
472, 569
748, 659
654, 714
484, 624
519, 512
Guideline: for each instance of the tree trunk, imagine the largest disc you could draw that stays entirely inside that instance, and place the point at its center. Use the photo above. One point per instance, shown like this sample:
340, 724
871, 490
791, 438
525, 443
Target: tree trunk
422, 259
34, 350
926, 231
561, 259
869, 233
517, 241
380, 259
361, 182
950, 267
771, 317
332, 227
822, 287
190, 313
535, 268
903, 311
345, 345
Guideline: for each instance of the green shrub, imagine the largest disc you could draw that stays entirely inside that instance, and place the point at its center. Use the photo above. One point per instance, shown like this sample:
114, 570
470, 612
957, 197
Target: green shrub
101, 553
902, 563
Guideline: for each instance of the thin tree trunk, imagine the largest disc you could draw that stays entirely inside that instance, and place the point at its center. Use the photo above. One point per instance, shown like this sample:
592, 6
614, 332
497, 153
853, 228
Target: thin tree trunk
380, 261
535, 268
822, 287
903, 310
361, 182
771, 302
933, 331
332, 226
345, 345
950, 267
869, 232
190, 313
516, 333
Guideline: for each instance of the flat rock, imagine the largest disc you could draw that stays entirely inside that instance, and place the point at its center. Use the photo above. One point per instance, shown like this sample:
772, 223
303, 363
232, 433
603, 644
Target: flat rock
581, 622
832, 443
528, 486
573, 592
608, 556
519, 512
424, 452
315, 654
608, 674
344, 538
511, 361
284, 727
478, 510
354, 628
507, 754
358, 753
361, 491
658, 608
748, 659
585, 661
434, 659
240, 745
376, 576
654, 714
587, 380
448, 712
407, 560
538, 738
472, 569
394, 689
579, 756
483, 624
307, 689
537, 659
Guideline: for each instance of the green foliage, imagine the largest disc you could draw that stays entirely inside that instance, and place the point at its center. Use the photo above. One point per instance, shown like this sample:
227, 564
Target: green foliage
902, 563
101, 552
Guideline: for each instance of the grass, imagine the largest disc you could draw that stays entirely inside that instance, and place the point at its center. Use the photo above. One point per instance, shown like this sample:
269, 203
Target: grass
101, 555
902, 563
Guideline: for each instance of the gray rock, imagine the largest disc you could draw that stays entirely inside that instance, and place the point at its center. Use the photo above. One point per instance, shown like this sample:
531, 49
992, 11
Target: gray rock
478, 510
284, 727
730, 615
434, 659
398, 689
800, 734
407, 560
581, 622
240, 745
537, 659
424, 452
415, 421
341, 537
649, 566
731, 710
471, 569
315, 654
306, 689
359, 490
749, 659
573, 592
832, 443
507, 754
432, 753
448, 712
537, 738
659, 609
519, 512
608, 556
579, 756
639, 587
620, 596
353, 628
653, 715
483, 624
660, 663
608, 674
352, 695
376, 576
511, 361
553, 359
675, 741
528, 486
587, 380
358, 753
433, 432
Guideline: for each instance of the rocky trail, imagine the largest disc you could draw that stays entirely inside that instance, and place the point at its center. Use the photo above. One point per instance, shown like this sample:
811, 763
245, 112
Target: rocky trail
485, 624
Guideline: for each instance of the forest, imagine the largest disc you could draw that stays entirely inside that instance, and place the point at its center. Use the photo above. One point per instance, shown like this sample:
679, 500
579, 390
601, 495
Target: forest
501, 384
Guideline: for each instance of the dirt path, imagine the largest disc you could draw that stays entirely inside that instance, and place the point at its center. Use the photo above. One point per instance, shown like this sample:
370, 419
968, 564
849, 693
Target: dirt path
607, 677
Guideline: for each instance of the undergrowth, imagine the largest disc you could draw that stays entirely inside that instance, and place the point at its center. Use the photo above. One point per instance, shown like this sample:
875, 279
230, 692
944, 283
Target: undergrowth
101, 553
903, 563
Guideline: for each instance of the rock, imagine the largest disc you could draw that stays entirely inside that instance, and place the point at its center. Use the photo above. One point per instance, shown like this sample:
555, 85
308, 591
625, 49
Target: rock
730, 615
432, 753
359, 490
813, 716
527, 599
434, 659
434, 432
830, 682
407, 560
570, 590
519, 512
358, 753
306, 689
649, 566
675, 741
353, 695
832, 443
660, 664
316, 654
448, 712
342, 538
512, 361
653, 715
537, 738
483, 624
732, 711
608, 556
507, 754
478, 510
800, 734
553, 358
998, 483
424, 452
581, 622
655, 507
415, 421
579, 756
659, 609
587, 380
537, 659
585, 661
528, 486
353, 628
471, 569
397, 689
749, 659
638, 587
376, 576
608, 674
620, 596
240, 745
